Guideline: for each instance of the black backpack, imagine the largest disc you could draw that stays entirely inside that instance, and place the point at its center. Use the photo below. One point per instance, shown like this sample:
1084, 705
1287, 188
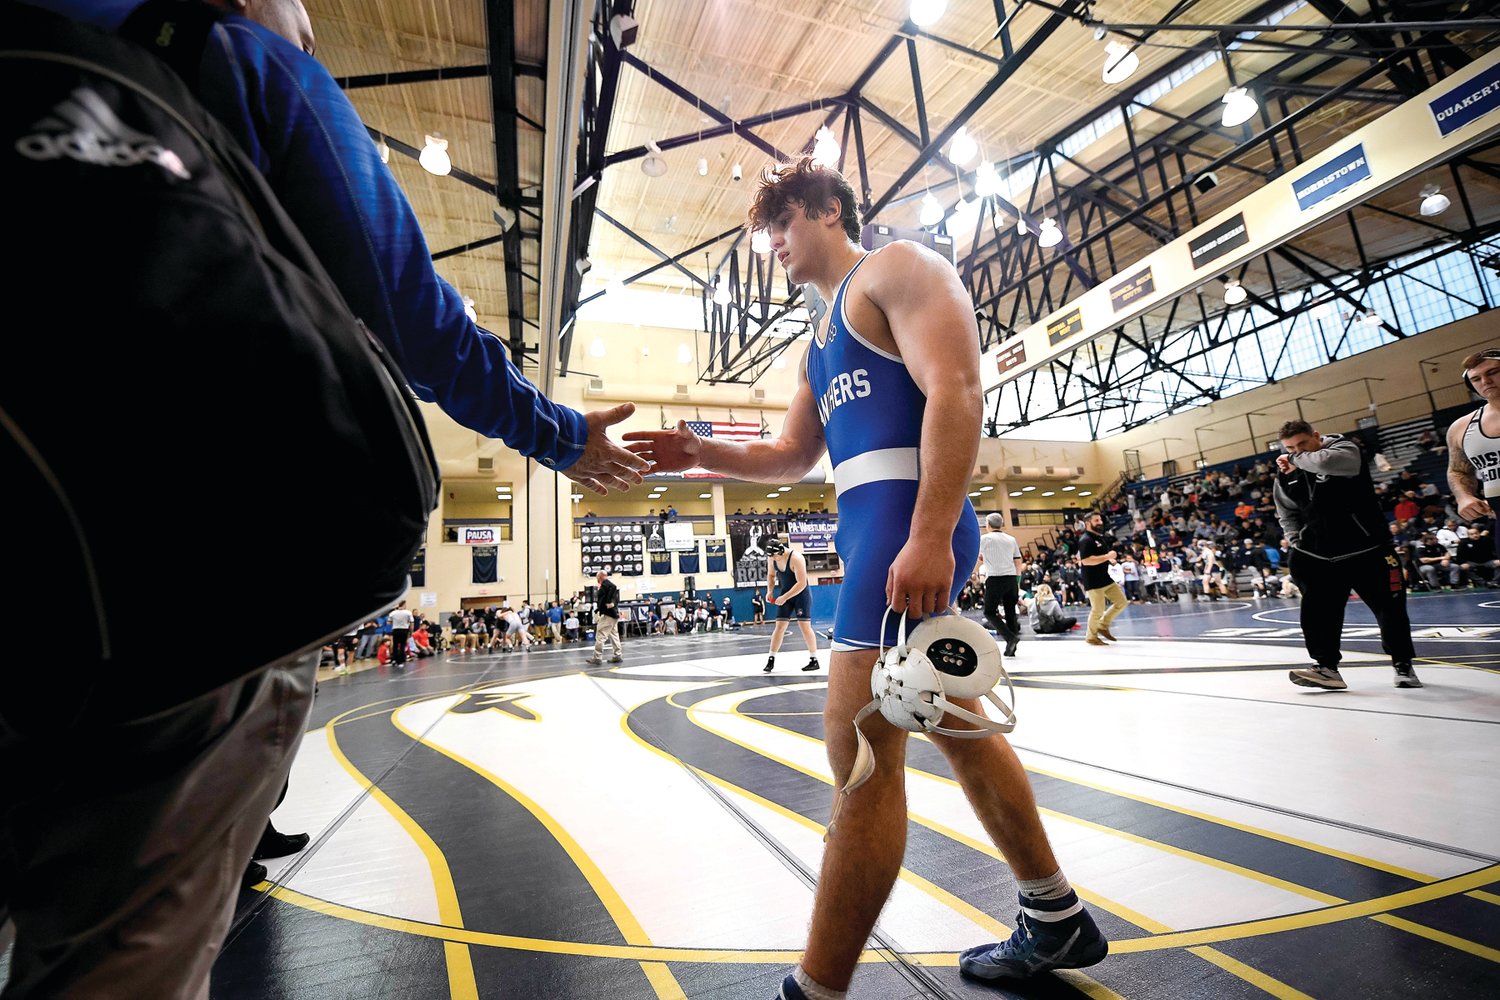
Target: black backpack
190, 414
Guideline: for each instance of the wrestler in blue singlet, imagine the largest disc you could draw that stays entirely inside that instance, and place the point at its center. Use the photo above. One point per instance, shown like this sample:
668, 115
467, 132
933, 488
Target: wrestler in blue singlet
799, 606
871, 411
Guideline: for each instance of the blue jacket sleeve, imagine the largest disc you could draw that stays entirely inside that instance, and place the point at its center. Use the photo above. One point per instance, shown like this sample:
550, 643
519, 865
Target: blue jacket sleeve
301, 131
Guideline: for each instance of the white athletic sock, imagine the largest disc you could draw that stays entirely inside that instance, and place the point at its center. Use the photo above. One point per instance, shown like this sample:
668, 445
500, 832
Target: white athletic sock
1054, 886
813, 989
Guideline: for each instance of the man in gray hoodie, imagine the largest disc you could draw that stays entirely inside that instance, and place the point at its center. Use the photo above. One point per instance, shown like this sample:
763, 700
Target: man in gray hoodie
1325, 501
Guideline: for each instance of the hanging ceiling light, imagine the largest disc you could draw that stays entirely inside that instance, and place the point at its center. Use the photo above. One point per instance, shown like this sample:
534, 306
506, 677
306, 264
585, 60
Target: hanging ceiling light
721, 293
932, 211
760, 241
684, 355
825, 148
1373, 319
963, 147
965, 214
653, 165
596, 349
1434, 202
780, 361
1021, 228
383, 150
702, 166
469, 310
1120, 63
1050, 235
986, 180
434, 158
1234, 292
1239, 107
925, 12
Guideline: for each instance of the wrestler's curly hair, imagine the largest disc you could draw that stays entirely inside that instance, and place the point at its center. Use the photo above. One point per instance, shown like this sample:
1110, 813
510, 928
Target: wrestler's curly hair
808, 185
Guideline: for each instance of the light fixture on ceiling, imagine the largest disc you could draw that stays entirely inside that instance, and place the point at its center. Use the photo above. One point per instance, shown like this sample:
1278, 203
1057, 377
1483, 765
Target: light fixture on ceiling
684, 355
925, 12
1028, 489
963, 147
1021, 227
434, 158
760, 242
1085, 493
577, 497
932, 211
702, 166
721, 292
736, 173
1069, 489
1015, 493
596, 349
965, 213
986, 180
383, 150
974, 494
1234, 292
1120, 62
985, 489
1050, 235
1049, 493
1434, 202
780, 361
825, 148
653, 165
1239, 107
645, 351
469, 310
1373, 319
773, 496
622, 30
783, 489
705, 496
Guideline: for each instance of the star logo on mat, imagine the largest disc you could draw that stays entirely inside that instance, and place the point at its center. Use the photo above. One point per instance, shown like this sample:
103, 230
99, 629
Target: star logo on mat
504, 702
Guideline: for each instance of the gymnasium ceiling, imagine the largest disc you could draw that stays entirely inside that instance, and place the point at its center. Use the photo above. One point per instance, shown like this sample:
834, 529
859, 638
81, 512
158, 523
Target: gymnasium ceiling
737, 59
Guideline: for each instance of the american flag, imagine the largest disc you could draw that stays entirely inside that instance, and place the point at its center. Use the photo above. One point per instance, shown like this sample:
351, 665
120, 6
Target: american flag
725, 430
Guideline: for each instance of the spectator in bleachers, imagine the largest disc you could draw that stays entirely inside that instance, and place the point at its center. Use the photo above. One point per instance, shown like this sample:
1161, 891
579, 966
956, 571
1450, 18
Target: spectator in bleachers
1436, 565
1476, 558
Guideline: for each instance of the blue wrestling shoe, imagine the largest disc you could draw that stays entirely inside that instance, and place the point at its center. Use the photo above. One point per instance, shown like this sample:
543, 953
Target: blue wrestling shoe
790, 990
1040, 945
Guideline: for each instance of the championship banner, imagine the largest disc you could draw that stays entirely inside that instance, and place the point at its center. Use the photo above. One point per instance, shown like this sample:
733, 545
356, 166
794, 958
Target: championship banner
679, 536
485, 564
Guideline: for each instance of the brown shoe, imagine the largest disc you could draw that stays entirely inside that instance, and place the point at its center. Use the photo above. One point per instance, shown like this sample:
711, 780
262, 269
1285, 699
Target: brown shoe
1094, 640
1106, 633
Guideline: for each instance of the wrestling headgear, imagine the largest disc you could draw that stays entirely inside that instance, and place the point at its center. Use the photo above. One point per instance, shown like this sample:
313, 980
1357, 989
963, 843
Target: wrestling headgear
773, 546
947, 656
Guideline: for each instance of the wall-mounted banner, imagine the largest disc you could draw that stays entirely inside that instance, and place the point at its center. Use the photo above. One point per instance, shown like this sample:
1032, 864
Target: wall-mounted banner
813, 536
1469, 101
1123, 293
1219, 240
1344, 170
479, 536
1065, 326
1011, 355
679, 535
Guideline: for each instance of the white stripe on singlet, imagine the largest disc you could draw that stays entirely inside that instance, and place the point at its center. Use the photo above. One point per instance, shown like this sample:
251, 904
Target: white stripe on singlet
875, 466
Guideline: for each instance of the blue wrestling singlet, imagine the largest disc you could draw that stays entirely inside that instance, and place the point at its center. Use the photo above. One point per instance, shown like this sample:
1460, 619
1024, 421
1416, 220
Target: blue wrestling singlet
799, 606
872, 420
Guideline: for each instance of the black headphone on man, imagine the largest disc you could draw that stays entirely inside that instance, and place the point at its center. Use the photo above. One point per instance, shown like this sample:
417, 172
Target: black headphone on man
1490, 355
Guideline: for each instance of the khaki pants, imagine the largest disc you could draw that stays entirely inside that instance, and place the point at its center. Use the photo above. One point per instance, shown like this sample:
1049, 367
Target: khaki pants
1099, 618
606, 630
122, 875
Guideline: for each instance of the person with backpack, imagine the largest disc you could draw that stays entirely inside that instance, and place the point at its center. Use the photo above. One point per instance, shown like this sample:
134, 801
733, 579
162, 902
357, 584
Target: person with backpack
232, 213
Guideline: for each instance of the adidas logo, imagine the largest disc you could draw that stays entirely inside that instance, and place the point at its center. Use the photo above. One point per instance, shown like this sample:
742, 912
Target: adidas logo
84, 128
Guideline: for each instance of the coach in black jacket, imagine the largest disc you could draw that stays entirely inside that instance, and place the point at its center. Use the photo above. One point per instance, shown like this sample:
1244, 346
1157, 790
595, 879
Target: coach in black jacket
1339, 540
